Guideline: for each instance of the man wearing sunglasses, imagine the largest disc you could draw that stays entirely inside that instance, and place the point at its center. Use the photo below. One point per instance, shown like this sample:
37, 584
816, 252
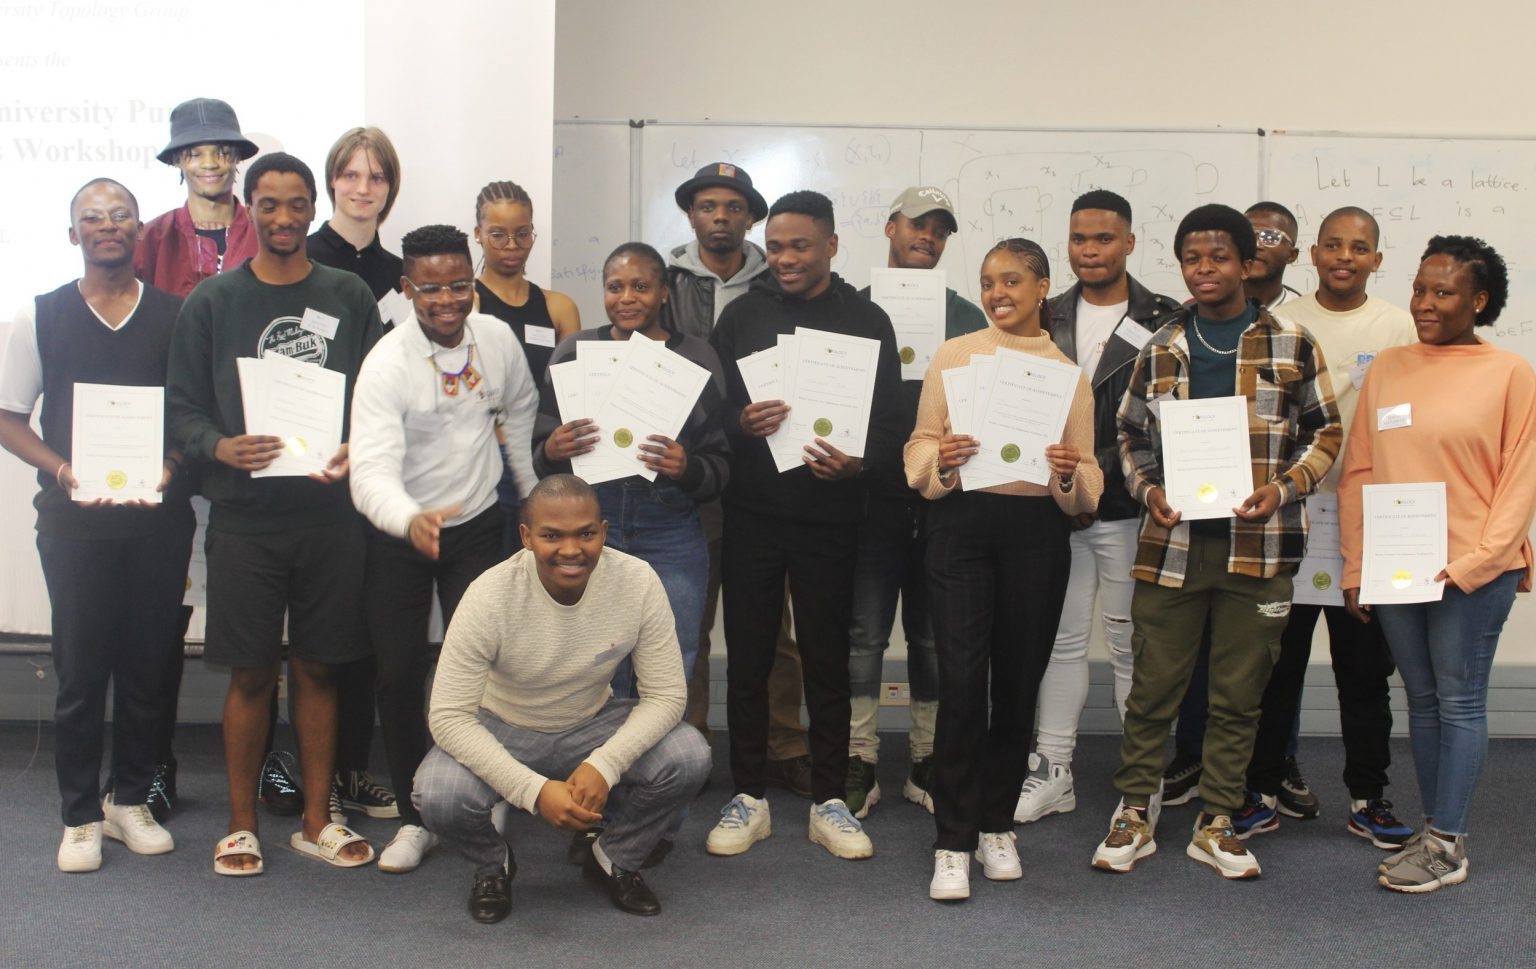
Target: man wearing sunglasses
425, 464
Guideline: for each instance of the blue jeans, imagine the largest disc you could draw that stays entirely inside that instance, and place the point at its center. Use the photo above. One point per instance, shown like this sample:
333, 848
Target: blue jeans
1444, 651
890, 565
656, 522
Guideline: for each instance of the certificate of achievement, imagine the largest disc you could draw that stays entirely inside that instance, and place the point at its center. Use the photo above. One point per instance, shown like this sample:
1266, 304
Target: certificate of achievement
914, 300
1207, 464
974, 477
1405, 543
302, 404
1317, 578
117, 451
763, 374
1025, 411
959, 397
569, 384
834, 386
652, 393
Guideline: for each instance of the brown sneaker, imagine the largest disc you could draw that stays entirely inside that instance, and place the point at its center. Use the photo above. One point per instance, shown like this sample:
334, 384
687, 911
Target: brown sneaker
1215, 843
1129, 840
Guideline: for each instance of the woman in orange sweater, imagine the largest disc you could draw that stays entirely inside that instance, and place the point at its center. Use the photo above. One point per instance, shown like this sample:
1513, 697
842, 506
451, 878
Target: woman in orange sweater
1472, 415
998, 560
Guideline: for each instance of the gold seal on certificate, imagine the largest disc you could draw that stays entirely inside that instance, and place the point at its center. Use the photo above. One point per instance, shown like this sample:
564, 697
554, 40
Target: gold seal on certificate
1009, 453
1402, 579
623, 437
1207, 493
822, 427
116, 480
297, 446
1322, 581
908, 355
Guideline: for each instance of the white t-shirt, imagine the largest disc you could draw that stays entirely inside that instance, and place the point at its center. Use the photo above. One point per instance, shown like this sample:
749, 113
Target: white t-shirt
1095, 326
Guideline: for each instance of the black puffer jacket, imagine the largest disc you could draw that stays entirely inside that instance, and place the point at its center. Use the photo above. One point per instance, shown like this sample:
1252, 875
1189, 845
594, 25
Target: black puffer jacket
1109, 383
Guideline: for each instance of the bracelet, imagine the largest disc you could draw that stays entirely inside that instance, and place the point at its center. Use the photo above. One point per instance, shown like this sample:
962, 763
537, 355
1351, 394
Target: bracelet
1065, 481
58, 472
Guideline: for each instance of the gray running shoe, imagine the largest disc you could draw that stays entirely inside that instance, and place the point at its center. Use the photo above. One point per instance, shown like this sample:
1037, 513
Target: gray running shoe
1432, 865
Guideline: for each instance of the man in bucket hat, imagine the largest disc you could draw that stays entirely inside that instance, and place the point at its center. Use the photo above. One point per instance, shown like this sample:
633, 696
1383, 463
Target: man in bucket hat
212, 232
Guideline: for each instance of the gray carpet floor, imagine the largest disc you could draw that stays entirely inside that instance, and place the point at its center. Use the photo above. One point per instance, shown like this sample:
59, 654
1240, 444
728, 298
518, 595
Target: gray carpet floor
785, 903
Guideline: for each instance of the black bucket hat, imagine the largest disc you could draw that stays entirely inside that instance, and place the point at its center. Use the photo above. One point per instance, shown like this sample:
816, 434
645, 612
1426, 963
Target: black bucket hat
723, 175
205, 121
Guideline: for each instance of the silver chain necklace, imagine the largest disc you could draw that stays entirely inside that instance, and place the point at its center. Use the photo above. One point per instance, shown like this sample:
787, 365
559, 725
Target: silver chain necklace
1195, 322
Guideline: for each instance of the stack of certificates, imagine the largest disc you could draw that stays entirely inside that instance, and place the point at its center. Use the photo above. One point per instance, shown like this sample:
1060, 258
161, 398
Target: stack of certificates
1015, 405
301, 403
828, 381
630, 390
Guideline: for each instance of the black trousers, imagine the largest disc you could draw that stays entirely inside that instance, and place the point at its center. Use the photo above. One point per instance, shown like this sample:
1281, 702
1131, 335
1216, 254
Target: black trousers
116, 608
757, 553
397, 599
1361, 665
997, 572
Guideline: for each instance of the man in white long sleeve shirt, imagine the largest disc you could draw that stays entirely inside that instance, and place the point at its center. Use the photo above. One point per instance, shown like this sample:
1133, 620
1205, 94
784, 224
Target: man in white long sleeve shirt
432, 400
521, 700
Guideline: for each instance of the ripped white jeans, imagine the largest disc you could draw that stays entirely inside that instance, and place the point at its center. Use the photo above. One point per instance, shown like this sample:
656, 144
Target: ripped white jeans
1102, 556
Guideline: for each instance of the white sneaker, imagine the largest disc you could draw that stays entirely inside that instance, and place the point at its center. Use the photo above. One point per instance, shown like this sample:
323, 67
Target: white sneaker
1047, 790
406, 849
951, 876
1217, 844
999, 857
136, 827
81, 848
1129, 840
743, 823
835, 828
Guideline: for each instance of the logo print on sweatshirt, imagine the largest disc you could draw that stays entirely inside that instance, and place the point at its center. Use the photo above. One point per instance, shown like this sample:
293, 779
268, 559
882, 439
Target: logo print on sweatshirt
286, 335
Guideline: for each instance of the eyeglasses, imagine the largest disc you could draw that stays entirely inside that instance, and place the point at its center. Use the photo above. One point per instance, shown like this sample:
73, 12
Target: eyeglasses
93, 217
463, 287
1269, 238
501, 238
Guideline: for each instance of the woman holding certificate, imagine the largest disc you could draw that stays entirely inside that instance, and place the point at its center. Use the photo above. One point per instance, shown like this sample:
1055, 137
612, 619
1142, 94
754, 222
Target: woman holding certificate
1451, 408
652, 512
998, 553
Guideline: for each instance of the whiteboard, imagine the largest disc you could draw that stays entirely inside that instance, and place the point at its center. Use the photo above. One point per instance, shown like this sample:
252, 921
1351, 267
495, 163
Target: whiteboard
591, 209
1003, 182
1418, 188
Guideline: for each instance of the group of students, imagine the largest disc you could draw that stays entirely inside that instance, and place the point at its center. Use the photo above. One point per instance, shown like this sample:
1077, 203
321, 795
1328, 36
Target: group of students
576, 615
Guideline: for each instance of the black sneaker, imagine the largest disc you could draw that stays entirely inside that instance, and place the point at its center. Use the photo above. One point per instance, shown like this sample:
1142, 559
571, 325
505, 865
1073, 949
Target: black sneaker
1296, 799
162, 791
920, 783
1181, 779
360, 792
863, 788
1256, 816
580, 848
277, 788
794, 774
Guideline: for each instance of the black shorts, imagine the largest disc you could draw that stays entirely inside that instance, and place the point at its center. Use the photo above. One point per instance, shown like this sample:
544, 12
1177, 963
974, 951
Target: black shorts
314, 575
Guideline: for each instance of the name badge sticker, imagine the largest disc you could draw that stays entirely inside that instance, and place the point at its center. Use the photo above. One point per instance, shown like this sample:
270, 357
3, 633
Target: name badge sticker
539, 336
1391, 418
320, 324
1133, 333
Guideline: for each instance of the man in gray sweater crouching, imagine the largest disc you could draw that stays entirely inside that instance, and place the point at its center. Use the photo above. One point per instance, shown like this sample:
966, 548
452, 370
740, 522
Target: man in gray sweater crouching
521, 709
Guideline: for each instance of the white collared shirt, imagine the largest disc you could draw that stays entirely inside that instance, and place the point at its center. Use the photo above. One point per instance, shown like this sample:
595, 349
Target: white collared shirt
416, 447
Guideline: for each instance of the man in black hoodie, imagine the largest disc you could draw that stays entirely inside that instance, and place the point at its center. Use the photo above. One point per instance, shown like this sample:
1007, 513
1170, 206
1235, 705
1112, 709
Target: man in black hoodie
1100, 323
802, 523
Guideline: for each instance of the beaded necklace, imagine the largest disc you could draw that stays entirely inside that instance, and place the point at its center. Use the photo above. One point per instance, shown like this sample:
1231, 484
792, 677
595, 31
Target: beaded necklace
465, 375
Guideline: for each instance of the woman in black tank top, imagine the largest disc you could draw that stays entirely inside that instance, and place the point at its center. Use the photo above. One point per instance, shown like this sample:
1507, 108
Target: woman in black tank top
539, 318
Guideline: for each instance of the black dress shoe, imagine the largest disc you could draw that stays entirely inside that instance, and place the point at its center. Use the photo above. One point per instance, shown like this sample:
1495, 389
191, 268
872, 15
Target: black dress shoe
794, 774
658, 854
627, 889
580, 848
490, 897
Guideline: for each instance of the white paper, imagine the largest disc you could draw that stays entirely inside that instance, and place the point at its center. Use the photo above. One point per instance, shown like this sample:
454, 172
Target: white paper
653, 393
301, 403
1133, 333
914, 300
568, 381
959, 397
834, 387
117, 444
1207, 464
1024, 411
318, 323
539, 336
974, 477
1406, 538
1322, 567
395, 309
762, 373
